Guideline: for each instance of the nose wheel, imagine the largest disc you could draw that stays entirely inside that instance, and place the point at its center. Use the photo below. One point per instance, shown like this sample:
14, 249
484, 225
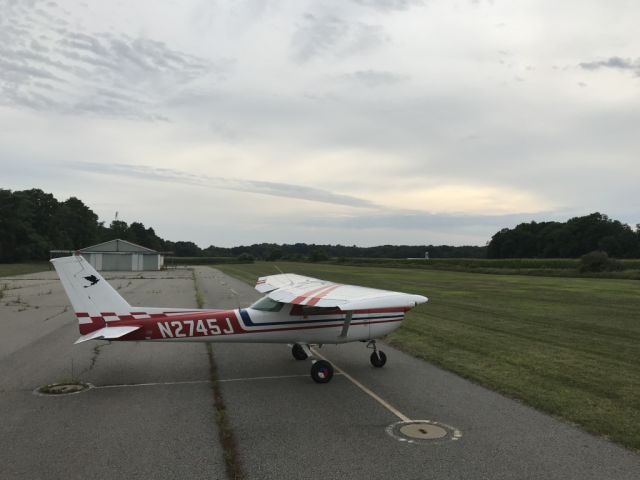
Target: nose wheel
321, 371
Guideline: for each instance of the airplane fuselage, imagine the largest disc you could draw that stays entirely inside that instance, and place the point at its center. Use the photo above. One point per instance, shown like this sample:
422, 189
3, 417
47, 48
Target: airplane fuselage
250, 325
296, 310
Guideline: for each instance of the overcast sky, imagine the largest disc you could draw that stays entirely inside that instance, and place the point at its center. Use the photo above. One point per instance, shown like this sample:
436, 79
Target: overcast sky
347, 121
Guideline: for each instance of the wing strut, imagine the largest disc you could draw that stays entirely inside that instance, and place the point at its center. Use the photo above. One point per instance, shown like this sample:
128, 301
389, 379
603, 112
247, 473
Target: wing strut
347, 322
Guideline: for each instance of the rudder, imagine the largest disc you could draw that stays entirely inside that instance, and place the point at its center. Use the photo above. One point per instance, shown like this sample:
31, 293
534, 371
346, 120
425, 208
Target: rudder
90, 294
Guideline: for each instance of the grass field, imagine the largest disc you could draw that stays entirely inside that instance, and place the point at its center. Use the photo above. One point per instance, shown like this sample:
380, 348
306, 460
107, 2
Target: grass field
567, 346
546, 267
10, 269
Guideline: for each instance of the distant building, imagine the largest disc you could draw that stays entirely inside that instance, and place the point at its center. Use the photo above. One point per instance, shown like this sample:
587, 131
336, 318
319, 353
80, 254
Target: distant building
118, 255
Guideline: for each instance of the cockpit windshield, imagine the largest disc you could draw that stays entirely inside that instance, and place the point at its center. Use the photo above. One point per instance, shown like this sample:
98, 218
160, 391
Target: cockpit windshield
267, 304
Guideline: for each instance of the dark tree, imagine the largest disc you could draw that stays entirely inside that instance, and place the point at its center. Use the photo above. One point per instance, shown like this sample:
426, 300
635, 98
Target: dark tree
571, 239
186, 249
76, 223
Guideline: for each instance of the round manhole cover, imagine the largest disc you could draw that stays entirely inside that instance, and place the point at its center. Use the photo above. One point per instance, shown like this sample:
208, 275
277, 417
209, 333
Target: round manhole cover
62, 388
423, 431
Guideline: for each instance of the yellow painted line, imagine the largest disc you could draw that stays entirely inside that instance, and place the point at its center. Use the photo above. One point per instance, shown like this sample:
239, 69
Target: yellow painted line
373, 395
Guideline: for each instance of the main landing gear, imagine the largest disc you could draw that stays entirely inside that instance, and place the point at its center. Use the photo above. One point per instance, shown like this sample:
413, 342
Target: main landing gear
298, 352
377, 358
322, 370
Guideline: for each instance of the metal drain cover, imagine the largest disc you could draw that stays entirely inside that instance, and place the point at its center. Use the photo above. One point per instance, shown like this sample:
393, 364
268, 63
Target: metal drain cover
62, 388
423, 431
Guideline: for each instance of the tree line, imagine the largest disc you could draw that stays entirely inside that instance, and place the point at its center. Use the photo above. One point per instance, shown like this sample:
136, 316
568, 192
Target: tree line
33, 222
571, 239
313, 252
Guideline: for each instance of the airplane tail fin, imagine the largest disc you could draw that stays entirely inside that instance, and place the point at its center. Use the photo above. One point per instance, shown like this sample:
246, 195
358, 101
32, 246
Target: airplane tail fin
91, 296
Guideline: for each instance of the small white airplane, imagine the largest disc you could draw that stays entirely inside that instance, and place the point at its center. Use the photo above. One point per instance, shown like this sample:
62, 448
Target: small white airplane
297, 310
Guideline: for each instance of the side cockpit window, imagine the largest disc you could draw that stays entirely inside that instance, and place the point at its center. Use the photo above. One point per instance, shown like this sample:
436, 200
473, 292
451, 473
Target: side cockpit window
267, 304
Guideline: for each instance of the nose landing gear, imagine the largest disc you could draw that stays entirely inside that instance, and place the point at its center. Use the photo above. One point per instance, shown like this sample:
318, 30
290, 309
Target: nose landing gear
321, 370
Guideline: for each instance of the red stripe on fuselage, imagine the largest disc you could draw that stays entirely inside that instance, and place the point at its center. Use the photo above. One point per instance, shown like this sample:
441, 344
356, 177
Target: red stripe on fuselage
340, 324
143, 333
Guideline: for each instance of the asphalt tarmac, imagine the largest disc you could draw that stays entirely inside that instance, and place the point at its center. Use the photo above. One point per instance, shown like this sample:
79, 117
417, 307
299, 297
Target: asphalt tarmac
163, 430
151, 414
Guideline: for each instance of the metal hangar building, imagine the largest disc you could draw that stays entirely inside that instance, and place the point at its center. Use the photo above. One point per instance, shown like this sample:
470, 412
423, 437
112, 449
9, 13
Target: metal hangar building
119, 255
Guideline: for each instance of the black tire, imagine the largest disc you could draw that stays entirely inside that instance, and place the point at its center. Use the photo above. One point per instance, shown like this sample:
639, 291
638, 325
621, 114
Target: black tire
321, 371
378, 359
298, 352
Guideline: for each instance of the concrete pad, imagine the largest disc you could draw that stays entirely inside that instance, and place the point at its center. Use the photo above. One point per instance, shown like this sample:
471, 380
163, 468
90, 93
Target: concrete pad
165, 430
145, 432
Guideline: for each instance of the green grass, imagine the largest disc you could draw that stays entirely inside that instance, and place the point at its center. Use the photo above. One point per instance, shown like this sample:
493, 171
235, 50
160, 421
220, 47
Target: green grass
11, 269
566, 346
548, 267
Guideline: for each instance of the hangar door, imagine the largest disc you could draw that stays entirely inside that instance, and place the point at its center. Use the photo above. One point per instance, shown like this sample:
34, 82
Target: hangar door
115, 261
150, 262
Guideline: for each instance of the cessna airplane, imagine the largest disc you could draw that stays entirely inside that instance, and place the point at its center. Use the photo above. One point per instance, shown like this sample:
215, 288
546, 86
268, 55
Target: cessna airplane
296, 310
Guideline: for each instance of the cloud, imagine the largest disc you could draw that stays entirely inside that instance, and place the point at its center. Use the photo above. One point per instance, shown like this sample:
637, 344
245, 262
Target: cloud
99, 73
275, 189
616, 63
328, 35
420, 220
375, 78
389, 5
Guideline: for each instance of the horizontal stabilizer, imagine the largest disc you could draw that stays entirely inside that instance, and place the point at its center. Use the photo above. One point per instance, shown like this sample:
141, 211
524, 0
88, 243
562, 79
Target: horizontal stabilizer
107, 333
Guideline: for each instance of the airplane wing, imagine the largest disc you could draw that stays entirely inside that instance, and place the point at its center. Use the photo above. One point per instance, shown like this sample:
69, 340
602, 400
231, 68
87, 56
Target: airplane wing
273, 282
299, 290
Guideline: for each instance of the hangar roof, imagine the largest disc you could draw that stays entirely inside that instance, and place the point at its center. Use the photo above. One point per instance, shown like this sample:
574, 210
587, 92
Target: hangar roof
117, 245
